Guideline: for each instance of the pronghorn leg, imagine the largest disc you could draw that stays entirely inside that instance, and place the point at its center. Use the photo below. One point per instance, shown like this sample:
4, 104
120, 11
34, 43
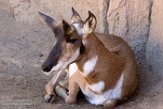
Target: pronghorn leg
50, 95
61, 89
110, 103
73, 91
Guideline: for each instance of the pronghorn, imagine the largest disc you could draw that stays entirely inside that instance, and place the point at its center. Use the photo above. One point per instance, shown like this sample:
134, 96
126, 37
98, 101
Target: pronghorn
104, 72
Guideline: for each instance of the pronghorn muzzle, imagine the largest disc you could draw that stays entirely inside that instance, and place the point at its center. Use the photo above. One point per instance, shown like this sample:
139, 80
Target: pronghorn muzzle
52, 59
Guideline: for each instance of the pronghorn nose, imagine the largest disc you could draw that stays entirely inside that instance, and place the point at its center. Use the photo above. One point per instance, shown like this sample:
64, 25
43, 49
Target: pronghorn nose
46, 67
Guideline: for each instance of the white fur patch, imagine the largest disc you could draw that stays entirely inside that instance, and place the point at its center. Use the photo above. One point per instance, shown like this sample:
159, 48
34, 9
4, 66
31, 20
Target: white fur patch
116, 92
72, 69
85, 30
111, 94
78, 28
82, 31
89, 66
97, 87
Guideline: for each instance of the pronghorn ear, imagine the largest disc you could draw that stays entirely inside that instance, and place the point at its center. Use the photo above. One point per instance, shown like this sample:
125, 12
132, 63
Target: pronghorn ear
75, 18
49, 21
76, 21
66, 26
89, 24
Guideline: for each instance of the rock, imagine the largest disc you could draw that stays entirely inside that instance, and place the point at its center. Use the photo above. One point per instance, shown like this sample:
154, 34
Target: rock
27, 10
130, 20
154, 47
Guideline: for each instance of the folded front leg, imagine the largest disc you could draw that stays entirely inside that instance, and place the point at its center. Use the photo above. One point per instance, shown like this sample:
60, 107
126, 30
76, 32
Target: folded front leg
50, 95
61, 88
73, 91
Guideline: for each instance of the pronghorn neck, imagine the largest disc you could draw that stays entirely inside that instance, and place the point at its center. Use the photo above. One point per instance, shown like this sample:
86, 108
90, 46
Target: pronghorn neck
94, 51
93, 46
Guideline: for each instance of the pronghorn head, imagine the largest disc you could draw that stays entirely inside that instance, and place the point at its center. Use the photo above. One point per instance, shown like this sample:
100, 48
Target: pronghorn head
69, 46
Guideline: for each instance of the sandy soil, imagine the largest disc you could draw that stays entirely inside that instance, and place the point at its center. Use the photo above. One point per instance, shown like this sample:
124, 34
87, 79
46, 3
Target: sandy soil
23, 48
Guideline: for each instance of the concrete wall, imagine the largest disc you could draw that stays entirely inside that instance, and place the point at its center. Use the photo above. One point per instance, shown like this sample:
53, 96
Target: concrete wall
139, 22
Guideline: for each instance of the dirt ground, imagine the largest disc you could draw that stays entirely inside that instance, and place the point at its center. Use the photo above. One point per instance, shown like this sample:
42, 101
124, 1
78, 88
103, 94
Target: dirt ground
24, 47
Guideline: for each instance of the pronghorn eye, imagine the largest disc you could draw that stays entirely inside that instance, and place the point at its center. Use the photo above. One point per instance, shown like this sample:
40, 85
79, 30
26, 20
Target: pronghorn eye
68, 40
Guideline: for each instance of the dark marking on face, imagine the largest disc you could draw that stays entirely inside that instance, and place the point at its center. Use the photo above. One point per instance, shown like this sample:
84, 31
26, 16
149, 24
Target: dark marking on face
53, 58
82, 49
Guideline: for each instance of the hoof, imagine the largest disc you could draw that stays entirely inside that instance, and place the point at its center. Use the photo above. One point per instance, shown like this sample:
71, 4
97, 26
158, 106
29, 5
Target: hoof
50, 98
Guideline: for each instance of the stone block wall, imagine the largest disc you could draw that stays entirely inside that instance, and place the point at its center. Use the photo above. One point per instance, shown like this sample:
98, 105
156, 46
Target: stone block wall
139, 22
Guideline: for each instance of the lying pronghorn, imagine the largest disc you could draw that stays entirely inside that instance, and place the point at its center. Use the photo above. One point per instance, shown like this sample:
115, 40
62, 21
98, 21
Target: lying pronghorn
104, 77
